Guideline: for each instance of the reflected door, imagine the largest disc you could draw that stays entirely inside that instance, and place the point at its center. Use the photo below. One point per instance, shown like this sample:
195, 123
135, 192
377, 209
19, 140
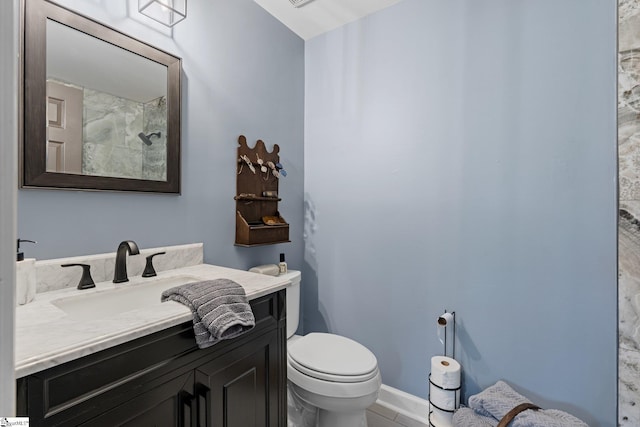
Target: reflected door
64, 128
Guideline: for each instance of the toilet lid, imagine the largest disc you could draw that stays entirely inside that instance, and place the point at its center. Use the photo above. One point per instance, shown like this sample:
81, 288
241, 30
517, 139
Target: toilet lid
332, 358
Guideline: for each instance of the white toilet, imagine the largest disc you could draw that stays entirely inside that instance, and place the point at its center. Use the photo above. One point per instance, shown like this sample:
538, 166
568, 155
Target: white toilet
335, 374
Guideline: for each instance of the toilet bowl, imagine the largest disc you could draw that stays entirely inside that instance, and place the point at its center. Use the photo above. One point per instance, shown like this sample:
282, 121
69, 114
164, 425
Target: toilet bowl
335, 374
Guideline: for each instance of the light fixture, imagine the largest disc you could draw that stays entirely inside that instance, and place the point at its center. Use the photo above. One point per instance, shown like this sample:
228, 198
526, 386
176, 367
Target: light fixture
166, 12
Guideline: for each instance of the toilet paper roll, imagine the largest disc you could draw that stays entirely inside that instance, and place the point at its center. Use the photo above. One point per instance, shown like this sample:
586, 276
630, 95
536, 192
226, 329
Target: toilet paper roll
438, 418
443, 321
445, 372
446, 400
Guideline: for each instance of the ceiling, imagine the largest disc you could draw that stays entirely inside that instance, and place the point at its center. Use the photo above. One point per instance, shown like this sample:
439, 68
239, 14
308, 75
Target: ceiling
320, 16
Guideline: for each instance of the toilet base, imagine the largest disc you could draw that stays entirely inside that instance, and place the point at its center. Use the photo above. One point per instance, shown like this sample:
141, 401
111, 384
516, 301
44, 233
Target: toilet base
334, 411
344, 419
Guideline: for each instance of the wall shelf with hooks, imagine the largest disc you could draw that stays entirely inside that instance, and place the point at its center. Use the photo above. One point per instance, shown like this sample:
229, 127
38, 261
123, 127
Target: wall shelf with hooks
258, 221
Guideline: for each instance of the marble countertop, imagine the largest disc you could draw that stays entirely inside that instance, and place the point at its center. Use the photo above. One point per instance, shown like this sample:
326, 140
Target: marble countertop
46, 336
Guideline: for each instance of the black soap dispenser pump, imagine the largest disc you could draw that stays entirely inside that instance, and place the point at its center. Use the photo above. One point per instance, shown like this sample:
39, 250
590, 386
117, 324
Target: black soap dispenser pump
20, 255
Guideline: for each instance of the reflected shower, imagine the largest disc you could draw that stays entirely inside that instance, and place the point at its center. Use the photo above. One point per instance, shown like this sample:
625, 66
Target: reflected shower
147, 138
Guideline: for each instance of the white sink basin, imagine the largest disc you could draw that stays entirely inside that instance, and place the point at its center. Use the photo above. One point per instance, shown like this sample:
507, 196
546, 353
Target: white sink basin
124, 298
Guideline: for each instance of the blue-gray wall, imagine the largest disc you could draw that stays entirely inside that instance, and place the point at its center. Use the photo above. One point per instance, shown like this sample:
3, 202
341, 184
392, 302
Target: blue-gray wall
461, 155
458, 155
243, 74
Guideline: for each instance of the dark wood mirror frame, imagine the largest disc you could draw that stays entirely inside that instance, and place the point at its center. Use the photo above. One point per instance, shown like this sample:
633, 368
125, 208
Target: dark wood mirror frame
33, 150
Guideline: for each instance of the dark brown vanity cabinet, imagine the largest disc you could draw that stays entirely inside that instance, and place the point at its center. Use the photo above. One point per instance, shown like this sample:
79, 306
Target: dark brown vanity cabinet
237, 386
163, 379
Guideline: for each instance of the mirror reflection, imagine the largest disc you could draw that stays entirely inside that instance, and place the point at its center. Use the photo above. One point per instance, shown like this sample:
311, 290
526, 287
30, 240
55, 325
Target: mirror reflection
99, 123
101, 109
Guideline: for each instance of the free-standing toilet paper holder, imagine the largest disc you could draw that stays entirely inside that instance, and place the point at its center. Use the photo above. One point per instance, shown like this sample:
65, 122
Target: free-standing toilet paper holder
443, 322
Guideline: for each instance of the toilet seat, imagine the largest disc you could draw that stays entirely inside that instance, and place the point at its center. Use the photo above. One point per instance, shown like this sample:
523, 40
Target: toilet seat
332, 358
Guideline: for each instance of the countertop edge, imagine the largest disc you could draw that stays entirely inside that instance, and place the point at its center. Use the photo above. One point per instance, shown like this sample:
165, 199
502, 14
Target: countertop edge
50, 355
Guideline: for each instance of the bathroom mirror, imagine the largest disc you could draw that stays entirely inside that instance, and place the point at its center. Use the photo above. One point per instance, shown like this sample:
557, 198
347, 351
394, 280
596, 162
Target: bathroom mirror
101, 110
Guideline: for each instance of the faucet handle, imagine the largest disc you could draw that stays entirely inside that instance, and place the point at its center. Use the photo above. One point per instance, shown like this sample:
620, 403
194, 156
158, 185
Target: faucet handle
86, 281
149, 271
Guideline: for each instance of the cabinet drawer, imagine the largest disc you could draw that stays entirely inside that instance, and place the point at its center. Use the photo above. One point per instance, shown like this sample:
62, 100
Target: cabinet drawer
92, 383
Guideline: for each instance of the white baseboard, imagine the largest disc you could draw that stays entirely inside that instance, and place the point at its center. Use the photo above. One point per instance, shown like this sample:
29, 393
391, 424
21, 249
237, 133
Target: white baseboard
404, 404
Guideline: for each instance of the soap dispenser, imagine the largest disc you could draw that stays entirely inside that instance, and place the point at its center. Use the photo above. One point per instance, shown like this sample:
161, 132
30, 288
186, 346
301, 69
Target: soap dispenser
20, 255
25, 276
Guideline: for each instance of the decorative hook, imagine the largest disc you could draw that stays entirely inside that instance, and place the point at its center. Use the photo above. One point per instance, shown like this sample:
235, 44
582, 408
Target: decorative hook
248, 162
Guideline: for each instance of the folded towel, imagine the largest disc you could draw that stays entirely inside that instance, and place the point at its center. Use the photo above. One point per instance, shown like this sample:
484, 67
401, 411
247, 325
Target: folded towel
467, 417
220, 309
490, 405
496, 401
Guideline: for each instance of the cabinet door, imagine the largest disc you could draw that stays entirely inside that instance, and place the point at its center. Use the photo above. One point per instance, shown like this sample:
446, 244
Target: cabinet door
168, 404
240, 388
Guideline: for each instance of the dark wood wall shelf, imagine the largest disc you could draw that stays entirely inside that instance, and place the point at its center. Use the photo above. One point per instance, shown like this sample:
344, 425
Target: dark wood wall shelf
258, 221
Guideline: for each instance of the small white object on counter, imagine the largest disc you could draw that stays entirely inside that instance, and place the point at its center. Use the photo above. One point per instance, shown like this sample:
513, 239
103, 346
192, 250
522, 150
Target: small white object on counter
25, 281
268, 269
282, 266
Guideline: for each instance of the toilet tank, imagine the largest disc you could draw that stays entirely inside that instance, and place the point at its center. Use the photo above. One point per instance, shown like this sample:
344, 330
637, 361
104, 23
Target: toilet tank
293, 301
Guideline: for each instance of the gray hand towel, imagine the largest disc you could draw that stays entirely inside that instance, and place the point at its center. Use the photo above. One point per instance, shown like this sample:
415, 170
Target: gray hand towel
220, 309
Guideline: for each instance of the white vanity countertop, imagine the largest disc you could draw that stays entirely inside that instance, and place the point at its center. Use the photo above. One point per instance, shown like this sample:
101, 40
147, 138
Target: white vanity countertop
46, 336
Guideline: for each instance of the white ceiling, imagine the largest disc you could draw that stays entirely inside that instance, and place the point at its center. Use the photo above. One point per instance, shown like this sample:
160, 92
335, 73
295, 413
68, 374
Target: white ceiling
320, 16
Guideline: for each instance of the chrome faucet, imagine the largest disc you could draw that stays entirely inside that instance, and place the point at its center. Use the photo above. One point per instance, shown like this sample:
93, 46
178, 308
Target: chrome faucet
120, 274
